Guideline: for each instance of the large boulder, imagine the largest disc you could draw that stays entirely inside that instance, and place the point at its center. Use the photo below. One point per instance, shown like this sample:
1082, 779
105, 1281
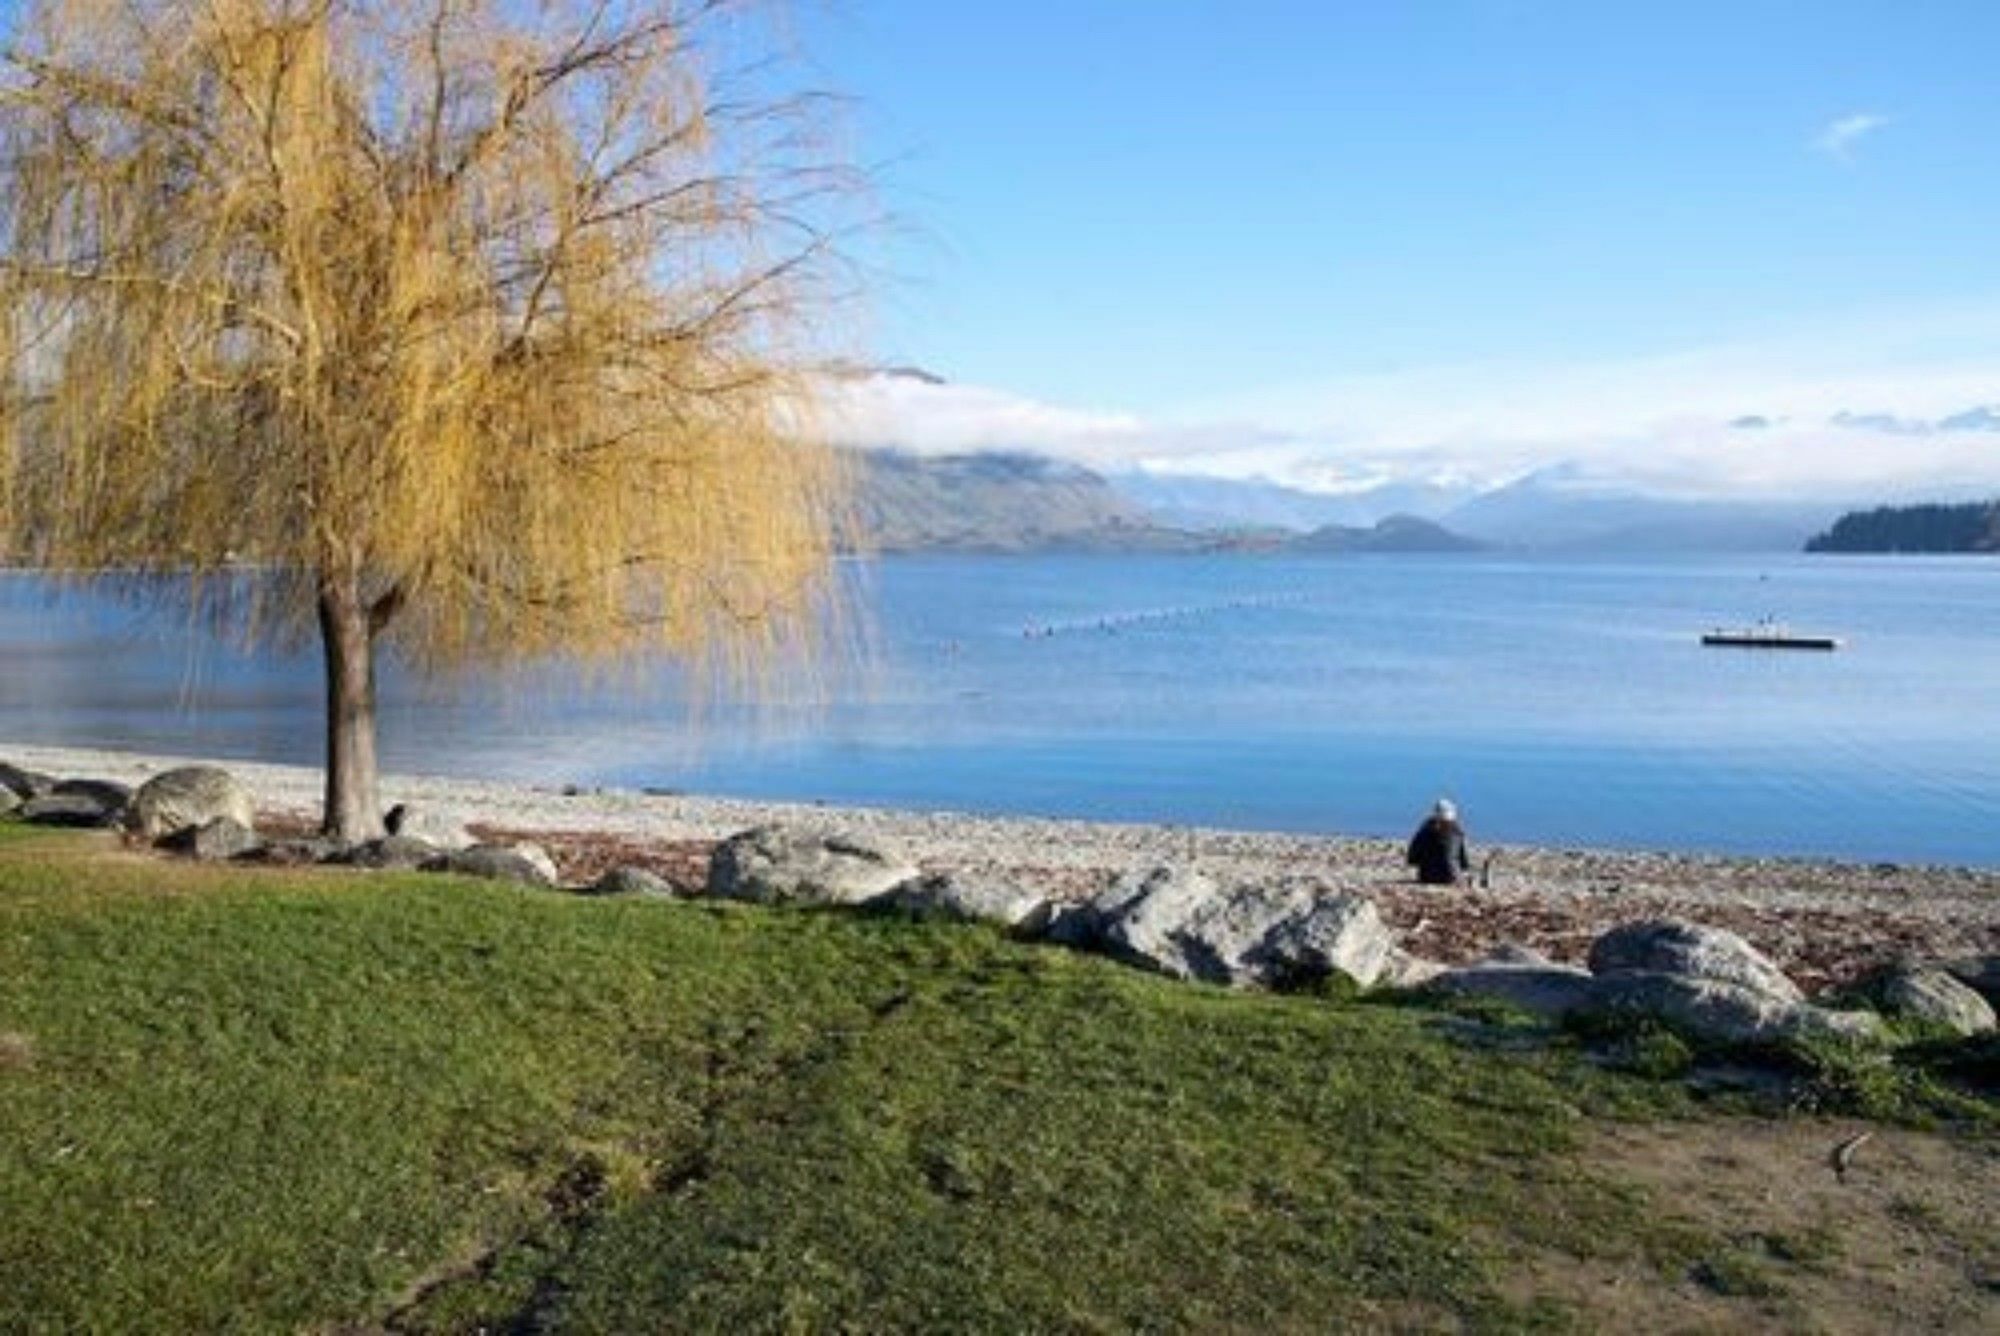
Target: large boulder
784, 865
496, 862
1082, 924
1338, 935
1404, 970
1979, 973
1546, 989
540, 859
80, 810
1689, 950
9, 800
214, 841
191, 796
1140, 917
1724, 1012
112, 795
1929, 997
1711, 984
434, 826
633, 881
25, 784
1175, 920
967, 897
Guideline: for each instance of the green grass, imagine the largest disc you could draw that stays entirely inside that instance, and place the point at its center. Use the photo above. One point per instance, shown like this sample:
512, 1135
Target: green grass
254, 1100
1915, 1082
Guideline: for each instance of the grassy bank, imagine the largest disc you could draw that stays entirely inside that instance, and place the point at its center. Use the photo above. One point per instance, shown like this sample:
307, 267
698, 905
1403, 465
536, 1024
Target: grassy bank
302, 1099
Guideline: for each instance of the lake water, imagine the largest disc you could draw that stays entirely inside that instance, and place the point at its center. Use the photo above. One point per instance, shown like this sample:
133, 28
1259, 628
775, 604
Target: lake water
1559, 701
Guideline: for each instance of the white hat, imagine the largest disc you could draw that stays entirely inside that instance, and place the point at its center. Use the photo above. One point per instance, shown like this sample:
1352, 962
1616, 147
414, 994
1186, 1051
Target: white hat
1444, 810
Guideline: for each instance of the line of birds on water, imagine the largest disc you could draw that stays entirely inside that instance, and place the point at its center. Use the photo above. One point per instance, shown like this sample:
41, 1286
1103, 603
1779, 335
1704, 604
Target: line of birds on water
1112, 623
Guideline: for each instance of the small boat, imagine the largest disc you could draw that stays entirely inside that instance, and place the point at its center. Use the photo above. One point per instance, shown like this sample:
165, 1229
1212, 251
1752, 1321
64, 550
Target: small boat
1766, 634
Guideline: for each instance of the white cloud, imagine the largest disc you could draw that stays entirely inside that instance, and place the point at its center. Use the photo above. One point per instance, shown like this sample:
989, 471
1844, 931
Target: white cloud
1661, 421
1839, 137
933, 418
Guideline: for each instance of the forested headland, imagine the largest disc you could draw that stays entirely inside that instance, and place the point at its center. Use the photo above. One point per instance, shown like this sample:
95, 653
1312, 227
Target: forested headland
1974, 527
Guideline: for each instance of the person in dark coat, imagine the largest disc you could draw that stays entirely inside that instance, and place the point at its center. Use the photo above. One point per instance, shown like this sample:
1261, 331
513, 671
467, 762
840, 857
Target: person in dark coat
1437, 850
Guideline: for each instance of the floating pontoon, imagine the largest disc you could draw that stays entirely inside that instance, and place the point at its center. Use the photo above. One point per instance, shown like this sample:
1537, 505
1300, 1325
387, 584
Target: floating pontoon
1766, 635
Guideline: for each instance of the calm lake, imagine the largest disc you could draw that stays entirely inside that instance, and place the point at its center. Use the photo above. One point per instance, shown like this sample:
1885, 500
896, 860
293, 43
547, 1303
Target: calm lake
1559, 701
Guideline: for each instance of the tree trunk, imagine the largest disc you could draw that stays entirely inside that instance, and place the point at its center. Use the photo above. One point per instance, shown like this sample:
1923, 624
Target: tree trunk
353, 799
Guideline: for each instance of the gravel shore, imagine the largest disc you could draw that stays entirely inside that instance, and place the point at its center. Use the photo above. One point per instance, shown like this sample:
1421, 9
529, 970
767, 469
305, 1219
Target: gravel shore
1823, 921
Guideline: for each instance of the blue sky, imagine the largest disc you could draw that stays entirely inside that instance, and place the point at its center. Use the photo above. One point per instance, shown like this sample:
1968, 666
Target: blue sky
1336, 241
1267, 219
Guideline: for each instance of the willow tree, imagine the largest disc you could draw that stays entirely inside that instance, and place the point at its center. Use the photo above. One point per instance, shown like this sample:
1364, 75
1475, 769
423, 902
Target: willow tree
479, 327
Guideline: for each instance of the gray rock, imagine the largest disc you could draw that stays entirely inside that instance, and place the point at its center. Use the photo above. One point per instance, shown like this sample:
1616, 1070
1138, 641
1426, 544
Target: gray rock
539, 859
1081, 924
1403, 970
967, 897
1070, 923
214, 841
496, 862
1341, 934
109, 793
188, 797
435, 827
1731, 1013
25, 784
9, 800
1178, 922
632, 881
1929, 997
1979, 973
781, 865
1671, 946
1548, 990
391, 853
79, 810
1139, 917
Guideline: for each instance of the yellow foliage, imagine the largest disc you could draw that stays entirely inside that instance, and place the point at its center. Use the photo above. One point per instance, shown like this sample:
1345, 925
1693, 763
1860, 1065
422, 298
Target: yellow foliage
494, 315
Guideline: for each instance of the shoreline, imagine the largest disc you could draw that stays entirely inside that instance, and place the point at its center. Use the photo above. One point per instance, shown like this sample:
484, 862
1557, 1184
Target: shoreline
1823, 919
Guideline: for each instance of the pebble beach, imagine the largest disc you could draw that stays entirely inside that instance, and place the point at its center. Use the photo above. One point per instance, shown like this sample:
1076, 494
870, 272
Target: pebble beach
1822, 921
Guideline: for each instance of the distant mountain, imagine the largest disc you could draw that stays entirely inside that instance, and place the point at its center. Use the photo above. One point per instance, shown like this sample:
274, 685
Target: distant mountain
1981, 418
1883, 422
1019, 502
1397, 533
987, 502
1928, 528
1553, 510
1195, 501
1014, 502
1972, 419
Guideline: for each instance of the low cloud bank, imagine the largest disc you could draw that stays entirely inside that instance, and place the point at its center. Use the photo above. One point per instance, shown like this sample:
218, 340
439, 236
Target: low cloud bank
1866, 415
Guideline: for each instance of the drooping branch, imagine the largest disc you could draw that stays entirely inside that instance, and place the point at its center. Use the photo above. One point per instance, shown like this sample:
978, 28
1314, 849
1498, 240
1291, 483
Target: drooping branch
479, 286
